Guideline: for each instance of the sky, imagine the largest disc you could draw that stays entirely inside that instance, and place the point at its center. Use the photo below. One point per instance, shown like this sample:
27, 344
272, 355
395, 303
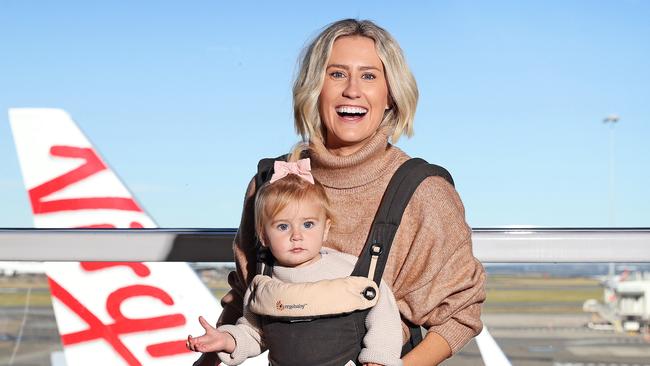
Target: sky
182, 98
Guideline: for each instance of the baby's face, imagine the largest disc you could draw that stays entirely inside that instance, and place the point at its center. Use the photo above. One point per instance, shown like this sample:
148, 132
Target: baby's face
296, 234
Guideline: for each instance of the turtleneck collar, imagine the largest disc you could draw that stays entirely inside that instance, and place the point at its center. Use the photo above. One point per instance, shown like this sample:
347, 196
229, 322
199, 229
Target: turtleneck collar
300, 274
360, 168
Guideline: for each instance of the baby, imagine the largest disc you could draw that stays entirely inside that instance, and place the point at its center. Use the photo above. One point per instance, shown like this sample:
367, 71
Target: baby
292, 219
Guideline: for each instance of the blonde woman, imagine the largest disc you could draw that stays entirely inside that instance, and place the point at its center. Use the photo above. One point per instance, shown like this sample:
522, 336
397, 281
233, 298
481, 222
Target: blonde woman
354, 98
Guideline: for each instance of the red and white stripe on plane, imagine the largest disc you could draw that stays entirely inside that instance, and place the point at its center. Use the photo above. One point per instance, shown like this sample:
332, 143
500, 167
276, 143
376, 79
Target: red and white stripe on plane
107, 313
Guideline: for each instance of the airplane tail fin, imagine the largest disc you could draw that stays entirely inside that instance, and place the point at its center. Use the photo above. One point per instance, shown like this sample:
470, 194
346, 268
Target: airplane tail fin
68, 183
107, 313
490, 350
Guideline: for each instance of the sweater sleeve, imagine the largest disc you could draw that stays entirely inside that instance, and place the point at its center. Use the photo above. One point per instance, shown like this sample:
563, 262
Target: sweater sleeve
245, 262
248, 337
440, 284
383, 340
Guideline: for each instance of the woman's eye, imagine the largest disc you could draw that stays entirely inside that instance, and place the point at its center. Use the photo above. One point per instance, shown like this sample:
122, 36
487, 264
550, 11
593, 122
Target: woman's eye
337, 74
283, 227
368, 76
308, 224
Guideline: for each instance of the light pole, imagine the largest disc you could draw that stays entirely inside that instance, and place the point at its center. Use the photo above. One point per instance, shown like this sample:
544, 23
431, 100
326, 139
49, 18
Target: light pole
612, 120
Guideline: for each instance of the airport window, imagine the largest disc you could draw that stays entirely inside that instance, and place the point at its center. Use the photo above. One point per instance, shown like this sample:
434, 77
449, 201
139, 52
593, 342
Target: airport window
129, 134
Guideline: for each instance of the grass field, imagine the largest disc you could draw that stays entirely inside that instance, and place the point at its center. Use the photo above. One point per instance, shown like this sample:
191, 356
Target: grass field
14, 291
528, 294
502, 281
537, 294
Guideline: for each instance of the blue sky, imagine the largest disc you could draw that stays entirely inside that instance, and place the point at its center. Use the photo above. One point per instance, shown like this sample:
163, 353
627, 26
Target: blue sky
183, 98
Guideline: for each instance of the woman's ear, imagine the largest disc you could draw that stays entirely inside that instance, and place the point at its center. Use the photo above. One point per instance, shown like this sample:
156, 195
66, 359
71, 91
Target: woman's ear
389, 102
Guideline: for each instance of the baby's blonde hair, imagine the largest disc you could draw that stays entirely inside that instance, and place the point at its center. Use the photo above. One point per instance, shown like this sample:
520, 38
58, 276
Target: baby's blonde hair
274, 197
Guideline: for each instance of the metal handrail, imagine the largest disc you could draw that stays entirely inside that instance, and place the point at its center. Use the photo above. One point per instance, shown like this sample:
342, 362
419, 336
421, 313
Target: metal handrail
502, 245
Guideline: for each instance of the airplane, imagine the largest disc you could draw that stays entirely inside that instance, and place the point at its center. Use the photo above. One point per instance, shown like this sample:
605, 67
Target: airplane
115, 313
626, 302
106, 313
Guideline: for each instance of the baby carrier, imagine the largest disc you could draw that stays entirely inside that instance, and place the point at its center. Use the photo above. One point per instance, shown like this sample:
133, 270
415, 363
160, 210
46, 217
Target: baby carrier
335, 339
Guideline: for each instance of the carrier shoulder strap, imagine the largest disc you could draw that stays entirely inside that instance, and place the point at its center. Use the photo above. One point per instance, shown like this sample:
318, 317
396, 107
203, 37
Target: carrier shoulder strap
374, 256
265, 170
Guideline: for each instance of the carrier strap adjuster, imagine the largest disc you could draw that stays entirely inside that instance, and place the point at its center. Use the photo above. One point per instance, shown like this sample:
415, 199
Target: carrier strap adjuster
369, 293
262, 256
375, 251
264, 261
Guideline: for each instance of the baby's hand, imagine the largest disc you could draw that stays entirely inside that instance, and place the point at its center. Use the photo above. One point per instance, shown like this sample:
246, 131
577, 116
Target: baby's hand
212, 341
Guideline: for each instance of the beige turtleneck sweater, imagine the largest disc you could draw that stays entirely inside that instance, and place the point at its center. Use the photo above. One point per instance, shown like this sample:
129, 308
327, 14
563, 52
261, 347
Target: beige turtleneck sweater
436, 280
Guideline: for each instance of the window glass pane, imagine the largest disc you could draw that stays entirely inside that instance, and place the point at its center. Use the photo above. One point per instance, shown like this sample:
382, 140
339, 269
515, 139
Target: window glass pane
538, 109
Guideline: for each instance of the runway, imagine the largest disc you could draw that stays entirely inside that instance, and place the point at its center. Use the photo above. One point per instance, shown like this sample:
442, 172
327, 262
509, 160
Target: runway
560, 341
38, 339
556, 337
557, 340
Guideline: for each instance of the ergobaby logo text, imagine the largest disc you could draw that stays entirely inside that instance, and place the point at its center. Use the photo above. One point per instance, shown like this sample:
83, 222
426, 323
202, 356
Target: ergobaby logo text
280, 306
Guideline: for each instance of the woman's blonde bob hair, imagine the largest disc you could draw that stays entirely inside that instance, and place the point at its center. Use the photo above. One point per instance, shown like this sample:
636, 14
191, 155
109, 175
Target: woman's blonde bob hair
402, 89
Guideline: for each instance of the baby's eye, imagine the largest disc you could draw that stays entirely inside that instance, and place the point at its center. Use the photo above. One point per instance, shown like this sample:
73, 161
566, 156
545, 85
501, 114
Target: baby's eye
308, 224
368, 76
337, 74
283, 227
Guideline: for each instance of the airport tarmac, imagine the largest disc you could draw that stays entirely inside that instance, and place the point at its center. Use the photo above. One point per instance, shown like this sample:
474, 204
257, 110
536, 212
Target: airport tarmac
28, 340
557, 340
528, 338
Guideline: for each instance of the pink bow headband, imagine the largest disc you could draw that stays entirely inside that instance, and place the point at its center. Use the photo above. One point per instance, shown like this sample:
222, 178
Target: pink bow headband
301, 168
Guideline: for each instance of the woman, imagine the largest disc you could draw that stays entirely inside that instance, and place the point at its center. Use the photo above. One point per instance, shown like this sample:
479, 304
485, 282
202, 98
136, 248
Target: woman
354, 92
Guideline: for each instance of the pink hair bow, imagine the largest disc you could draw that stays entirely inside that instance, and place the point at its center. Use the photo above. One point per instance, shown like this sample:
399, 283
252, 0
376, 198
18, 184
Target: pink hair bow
301, 168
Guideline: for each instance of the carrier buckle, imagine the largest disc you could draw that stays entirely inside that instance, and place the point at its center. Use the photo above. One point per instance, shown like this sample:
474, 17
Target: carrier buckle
262, 256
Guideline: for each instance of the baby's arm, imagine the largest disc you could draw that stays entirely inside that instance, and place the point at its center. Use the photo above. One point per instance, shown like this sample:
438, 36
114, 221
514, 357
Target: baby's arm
247, 335
383, 340
212, 341
233, 344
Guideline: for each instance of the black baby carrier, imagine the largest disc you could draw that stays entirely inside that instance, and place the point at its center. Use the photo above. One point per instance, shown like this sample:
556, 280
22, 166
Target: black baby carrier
338, 339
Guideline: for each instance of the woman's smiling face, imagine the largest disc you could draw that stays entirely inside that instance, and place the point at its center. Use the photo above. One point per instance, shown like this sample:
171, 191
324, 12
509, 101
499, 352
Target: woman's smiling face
354, 95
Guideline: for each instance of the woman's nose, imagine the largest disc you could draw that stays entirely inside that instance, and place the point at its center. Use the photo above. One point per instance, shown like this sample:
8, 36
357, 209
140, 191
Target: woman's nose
352, 89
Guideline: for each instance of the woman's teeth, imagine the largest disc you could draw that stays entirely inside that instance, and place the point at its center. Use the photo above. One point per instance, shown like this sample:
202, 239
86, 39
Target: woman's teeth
351, 111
